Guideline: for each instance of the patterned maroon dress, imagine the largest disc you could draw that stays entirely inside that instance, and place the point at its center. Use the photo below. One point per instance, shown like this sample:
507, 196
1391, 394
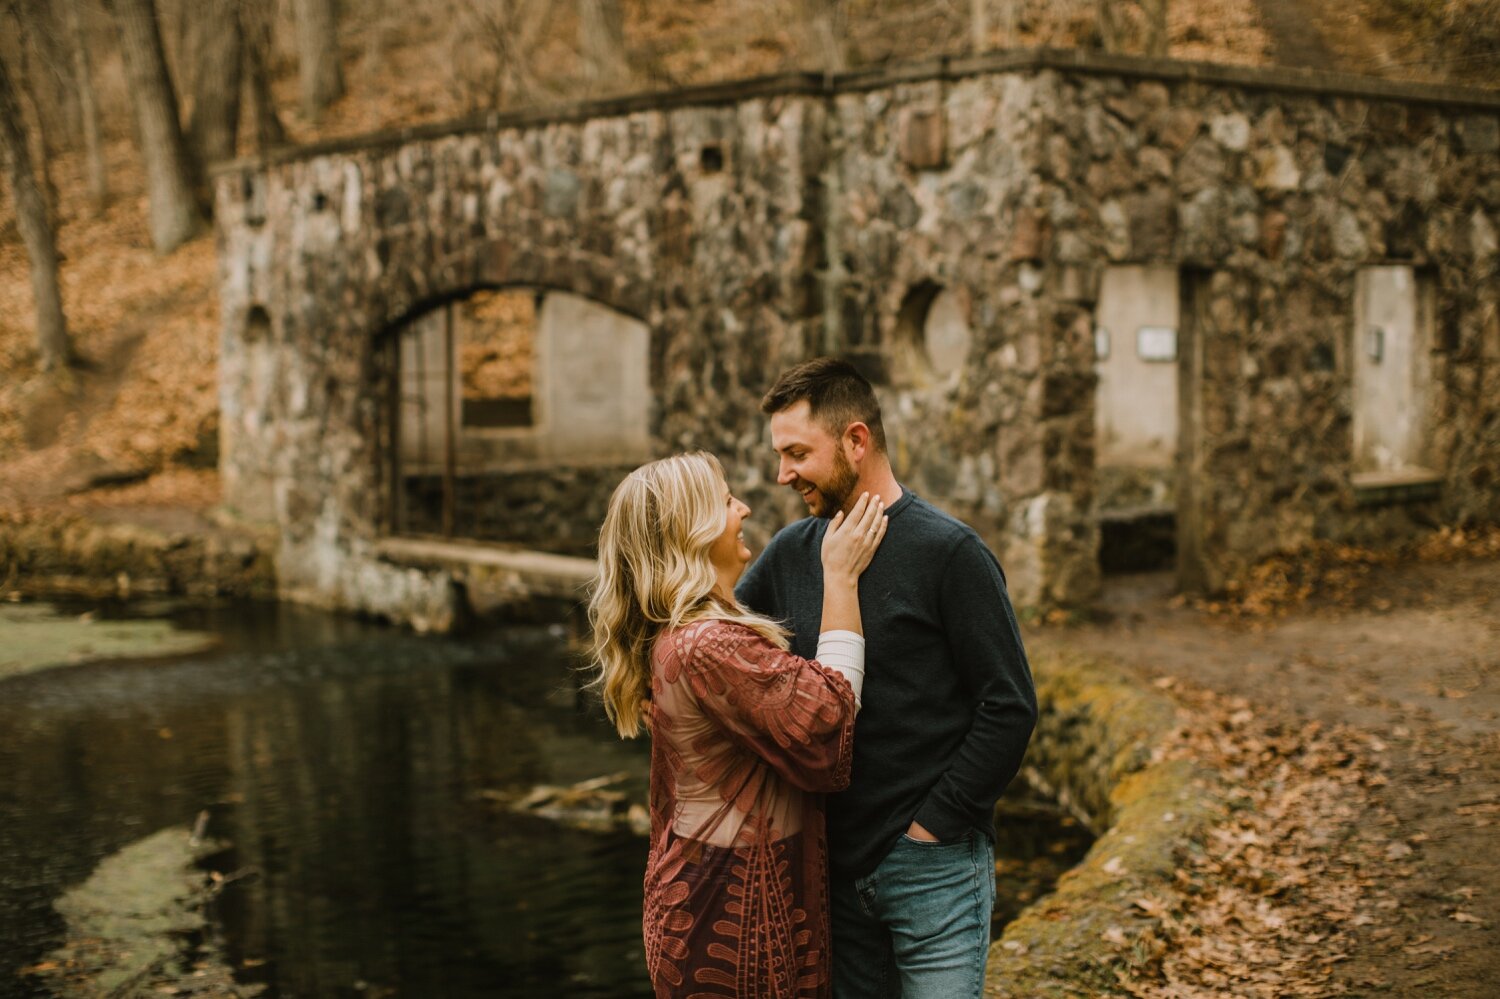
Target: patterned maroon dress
745, 740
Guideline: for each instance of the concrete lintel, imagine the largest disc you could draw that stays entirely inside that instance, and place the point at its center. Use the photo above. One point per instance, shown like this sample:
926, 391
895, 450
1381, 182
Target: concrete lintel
542, 574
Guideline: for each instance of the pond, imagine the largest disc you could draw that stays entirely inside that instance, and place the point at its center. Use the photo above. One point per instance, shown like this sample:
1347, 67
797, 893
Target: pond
355, 776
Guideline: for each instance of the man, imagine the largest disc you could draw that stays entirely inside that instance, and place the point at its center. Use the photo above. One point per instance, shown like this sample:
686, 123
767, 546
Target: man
948, 699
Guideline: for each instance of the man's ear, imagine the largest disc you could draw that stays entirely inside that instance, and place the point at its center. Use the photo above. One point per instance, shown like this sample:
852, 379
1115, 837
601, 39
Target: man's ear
857, 436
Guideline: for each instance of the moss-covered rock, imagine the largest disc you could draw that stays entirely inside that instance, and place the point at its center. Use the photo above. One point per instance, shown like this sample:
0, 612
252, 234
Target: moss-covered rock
1096, 748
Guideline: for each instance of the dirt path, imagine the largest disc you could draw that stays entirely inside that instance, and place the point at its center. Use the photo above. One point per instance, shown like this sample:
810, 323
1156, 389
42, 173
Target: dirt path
1415, 660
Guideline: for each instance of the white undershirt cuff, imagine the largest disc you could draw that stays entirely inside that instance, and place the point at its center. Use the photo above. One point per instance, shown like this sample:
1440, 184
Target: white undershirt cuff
844, 651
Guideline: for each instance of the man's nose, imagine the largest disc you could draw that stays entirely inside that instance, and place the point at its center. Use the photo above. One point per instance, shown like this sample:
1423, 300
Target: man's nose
784, 474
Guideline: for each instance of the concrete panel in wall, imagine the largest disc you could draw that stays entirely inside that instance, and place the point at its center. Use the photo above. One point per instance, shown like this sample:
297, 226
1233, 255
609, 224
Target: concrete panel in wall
1136, 402
593, 382
1392, 370
946, 334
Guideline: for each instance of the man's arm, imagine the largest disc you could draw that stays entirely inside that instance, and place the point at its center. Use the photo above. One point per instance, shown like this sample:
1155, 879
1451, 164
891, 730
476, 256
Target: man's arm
985, 644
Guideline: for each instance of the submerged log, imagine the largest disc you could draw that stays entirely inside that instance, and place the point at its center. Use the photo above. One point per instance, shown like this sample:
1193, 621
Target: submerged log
591, 805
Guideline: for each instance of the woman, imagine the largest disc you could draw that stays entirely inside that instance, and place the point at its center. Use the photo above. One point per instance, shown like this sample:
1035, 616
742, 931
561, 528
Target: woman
745, 735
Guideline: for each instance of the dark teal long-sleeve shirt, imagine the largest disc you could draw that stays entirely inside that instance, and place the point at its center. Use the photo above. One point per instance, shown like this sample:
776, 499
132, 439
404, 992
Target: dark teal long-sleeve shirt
948, 699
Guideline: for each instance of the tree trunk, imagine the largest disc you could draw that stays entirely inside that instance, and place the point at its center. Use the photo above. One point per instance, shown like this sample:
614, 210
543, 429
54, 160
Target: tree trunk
93, 146
48, 77
318, 69
827, 27
1009, 15
601, 37
174, 215
255, 32
979, 25
1156, 27
36, 230
1109, 29
27, 87
216, 104
374, 16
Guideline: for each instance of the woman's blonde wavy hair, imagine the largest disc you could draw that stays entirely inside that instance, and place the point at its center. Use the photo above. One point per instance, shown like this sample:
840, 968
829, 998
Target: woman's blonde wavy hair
655, 575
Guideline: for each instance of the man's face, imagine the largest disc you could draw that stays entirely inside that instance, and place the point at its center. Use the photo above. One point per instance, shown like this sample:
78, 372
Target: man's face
813, 461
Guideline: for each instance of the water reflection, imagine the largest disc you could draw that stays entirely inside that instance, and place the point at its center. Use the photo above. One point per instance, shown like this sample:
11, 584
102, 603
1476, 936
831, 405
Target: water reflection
344, 763
345, 771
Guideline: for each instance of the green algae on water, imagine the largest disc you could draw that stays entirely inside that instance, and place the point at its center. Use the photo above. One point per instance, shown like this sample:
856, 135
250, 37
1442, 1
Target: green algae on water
137, 927
38, 636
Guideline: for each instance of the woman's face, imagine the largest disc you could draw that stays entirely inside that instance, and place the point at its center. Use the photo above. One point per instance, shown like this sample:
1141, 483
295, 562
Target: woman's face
729, 553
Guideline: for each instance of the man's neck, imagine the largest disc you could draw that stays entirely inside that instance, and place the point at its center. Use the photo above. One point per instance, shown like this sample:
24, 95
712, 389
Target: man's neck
877, 481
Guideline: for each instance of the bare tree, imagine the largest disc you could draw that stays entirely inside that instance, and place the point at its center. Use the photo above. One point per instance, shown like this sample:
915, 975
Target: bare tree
36, 230
827, 25
215, 119
88, 105
255, 21
375, 16
601, 37
1156, 27
174, 217
28, 88
318, 67
509, 30
1010, 16
979, 25
46, 66
1109, 27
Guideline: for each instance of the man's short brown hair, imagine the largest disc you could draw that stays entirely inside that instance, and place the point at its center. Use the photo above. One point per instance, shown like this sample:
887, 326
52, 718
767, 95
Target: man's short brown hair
837, 395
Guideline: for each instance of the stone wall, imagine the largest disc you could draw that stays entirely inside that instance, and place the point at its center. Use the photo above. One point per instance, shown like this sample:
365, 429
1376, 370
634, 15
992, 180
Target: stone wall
752, 225
1272, 202
690, 219
556, 508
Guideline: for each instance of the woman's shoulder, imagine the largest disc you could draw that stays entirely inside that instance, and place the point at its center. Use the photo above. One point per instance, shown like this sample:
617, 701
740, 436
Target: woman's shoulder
706, 635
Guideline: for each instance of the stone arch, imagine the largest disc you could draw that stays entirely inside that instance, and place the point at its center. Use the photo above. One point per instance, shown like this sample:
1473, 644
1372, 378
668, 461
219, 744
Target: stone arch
498, 264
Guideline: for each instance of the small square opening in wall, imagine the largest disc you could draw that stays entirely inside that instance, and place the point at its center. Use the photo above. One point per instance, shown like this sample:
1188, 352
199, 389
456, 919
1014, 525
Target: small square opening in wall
711, 159
1156, 343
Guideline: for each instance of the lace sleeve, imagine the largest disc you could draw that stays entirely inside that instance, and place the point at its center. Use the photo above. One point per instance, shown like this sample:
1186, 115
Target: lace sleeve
792, 712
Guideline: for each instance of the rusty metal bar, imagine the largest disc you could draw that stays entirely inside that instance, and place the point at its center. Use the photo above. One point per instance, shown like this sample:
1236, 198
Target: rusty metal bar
450, 438
394, 371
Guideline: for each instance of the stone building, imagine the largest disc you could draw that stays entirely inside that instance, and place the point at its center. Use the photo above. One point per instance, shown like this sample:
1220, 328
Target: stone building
1100, 296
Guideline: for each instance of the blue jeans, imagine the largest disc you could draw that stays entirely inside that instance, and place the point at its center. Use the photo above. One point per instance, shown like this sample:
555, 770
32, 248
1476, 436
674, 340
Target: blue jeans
918, 926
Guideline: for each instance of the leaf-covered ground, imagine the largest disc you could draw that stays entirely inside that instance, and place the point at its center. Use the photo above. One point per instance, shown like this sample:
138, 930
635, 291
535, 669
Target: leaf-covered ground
1358, 734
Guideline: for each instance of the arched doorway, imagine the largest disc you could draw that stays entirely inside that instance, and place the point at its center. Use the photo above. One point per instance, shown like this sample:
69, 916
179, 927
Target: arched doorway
514, 412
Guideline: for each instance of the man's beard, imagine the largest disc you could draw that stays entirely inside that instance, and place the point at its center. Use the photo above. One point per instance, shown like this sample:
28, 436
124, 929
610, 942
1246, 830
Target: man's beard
836, 491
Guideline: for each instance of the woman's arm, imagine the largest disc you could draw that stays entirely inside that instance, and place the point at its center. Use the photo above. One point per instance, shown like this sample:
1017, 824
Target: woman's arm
848, 545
